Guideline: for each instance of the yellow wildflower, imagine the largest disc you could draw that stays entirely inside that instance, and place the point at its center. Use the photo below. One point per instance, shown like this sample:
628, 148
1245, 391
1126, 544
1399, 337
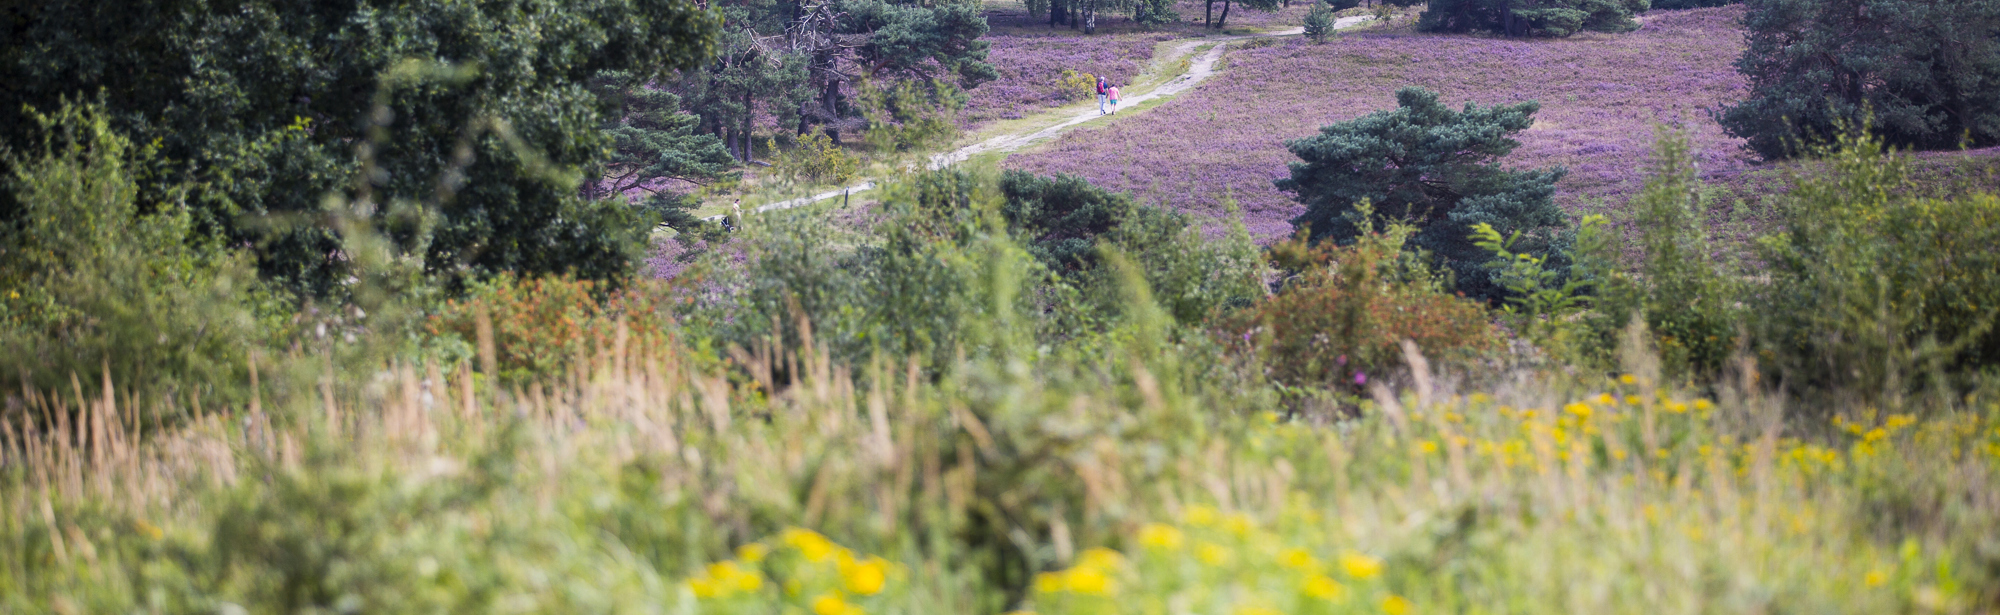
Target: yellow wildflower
1088, 581
1395, 605
1255, 610
1211, 554
753, 552
1875, 578
1360, 566
148, 529
1605, 399
1429, 447
1323, 587
1703, 405
1581, 410
832, 604
815, 547
1160, 536
1100, 558
1237, 523
1632, 400
1629, 379
704, 587
865, 577
1199, 515
1297, 559
1049, 582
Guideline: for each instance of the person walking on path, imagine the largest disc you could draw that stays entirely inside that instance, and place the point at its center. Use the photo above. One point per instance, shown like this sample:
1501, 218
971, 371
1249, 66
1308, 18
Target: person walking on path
1101, 95
1113, 93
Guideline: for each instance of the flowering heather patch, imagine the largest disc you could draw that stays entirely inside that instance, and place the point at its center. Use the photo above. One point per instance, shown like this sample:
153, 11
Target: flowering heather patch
1031, 66
1601, 97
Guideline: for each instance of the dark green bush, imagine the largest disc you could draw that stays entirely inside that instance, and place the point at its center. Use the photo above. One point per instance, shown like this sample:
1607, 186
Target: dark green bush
1554, 18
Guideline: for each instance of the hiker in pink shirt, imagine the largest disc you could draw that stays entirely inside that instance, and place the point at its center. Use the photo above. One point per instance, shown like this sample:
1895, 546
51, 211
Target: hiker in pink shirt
1113, 93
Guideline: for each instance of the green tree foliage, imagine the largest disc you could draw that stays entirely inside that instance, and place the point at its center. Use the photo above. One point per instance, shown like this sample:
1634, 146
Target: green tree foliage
267, 107
1320, 22
1874, 289
1429, 166
654, 146
1919, 73
801, 63
94, 285
1553, 18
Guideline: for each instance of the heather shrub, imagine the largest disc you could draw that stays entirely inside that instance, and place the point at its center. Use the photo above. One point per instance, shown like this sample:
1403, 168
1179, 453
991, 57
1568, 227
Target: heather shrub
99, 284
1552, 18
1429, 166
1690, 4
1917, 73
1873, 290
1342, 313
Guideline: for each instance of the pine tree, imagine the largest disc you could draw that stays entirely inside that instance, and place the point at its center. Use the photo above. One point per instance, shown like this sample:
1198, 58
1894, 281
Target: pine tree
1432, 167
1919, 73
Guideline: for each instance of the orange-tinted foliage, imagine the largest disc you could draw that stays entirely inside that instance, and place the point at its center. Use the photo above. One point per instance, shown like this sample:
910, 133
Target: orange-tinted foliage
1342, 317
541, 323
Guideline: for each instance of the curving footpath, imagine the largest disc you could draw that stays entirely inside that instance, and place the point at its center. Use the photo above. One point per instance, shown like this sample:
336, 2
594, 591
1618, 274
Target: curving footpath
1198, 71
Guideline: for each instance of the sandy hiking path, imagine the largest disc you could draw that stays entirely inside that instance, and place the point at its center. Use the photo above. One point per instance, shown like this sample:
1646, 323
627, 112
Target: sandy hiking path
1199, 69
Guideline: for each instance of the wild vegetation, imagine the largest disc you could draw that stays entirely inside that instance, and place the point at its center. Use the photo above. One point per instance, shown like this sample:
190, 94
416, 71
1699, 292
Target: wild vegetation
970, 389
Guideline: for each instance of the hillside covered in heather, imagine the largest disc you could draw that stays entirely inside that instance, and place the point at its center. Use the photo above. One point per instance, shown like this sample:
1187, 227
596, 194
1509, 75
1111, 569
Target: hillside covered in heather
1601, 97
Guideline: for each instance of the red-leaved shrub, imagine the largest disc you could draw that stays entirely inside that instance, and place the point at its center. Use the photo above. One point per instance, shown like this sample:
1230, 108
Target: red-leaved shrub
1340, 319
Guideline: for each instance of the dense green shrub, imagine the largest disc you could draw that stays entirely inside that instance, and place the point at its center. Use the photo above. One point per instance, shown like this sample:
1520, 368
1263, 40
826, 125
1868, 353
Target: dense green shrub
1919, 73
1556, 18
1873, 290
1432, 167
95, 284
1069, 225
1687, 299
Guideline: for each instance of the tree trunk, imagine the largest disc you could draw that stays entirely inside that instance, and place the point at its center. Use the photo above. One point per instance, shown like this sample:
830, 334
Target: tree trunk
1056, 11
830, 97
1208, 14
1090, 17
749, 113
1224, 21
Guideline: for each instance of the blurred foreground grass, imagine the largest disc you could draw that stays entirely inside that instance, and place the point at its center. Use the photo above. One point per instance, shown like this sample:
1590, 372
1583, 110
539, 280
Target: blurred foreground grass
646, 482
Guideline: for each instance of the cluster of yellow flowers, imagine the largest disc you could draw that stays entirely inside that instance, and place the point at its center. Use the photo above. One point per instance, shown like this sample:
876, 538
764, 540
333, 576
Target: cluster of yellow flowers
1212, 561
812, 571
1095, 574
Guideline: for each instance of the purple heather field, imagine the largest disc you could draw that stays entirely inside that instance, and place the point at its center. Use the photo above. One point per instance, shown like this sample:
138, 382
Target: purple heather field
1031, 65
1601, 96
1031, 56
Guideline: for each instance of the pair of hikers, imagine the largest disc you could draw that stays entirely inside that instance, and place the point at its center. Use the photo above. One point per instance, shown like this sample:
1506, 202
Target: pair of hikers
1106, 92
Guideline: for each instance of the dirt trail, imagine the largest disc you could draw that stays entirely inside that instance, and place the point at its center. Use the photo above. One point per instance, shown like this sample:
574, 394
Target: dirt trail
1199, 70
